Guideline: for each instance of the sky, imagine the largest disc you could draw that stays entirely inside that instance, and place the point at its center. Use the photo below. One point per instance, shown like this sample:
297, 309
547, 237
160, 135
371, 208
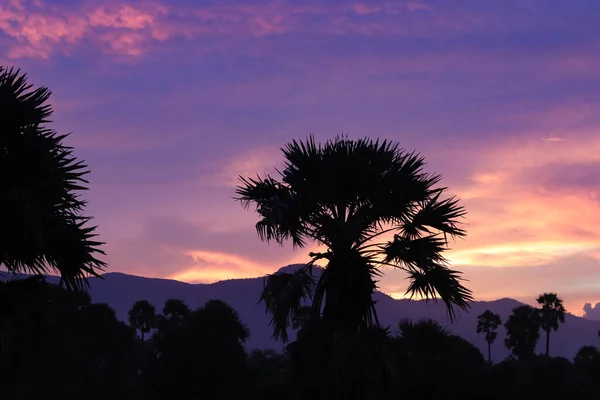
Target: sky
170, 101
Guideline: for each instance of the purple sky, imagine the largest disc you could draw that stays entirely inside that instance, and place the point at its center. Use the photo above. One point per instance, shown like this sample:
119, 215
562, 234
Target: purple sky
170, 101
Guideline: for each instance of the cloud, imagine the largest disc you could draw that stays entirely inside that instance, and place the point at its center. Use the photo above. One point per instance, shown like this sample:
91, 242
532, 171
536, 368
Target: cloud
39, 28
200, 251
591, 312
249, 164
211, 267
43, 28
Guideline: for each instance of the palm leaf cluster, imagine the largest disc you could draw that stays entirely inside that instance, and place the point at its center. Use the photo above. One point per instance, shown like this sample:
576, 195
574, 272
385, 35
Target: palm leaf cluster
344, 196
43, 228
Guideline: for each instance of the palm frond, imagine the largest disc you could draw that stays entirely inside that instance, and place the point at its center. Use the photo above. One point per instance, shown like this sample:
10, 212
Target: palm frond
283, 295
73, 253
438, 280
22, 105
441, 215
40, 204
280, 211
414, 253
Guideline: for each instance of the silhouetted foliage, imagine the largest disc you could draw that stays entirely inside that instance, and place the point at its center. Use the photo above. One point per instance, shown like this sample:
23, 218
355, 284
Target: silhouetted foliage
344, 365
522, 331
344, 195
269, 376
487, 323
426, 349
204, 355
58, 344
552, 314
142, 317
62, 346
43, 229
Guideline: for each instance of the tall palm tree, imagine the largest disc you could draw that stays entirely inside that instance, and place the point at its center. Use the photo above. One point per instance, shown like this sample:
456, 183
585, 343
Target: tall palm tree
522, 331
345, 195
142, 317
43, 228
487, 323
552, 314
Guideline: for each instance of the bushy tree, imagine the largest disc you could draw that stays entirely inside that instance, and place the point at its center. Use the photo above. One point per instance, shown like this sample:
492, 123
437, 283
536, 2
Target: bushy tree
522, 331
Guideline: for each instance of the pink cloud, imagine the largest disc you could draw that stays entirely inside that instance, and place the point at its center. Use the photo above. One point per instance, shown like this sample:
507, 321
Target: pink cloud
42, 28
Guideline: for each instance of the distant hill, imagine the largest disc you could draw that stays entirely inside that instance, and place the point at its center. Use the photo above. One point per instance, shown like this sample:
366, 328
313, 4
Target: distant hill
120, 291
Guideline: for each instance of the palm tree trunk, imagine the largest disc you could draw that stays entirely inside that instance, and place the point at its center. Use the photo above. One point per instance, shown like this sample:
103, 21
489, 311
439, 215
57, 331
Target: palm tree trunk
547, 342
489, 352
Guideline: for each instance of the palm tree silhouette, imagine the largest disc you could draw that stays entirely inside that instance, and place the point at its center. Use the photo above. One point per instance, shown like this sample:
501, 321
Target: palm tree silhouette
142, 317
345, 195
487, 323
522, 331
43, 228
175, 310
552, 314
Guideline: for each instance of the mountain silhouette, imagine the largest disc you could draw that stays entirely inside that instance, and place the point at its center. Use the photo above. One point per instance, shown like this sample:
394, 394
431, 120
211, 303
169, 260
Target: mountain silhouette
120, 291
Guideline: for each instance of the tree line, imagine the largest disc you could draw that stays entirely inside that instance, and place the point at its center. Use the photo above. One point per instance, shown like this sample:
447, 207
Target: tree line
523, 326
58, 343
368, 204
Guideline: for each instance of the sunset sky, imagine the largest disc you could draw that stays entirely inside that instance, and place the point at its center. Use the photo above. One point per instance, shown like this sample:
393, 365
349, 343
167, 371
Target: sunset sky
170, 101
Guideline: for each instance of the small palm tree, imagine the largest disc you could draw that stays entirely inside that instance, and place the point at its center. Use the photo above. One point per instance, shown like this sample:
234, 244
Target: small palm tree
43, 228
487, 323
142, 317
552, 314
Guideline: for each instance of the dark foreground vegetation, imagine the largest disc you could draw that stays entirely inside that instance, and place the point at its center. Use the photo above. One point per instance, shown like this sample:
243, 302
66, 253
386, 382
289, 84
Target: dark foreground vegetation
57, 344
370, 206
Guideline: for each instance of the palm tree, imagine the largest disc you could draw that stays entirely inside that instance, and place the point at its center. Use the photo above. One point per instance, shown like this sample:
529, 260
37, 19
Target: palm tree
142, 317
345, 195
487, 323
552, 313
222, 314
175, 310
522, 331
43, 228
